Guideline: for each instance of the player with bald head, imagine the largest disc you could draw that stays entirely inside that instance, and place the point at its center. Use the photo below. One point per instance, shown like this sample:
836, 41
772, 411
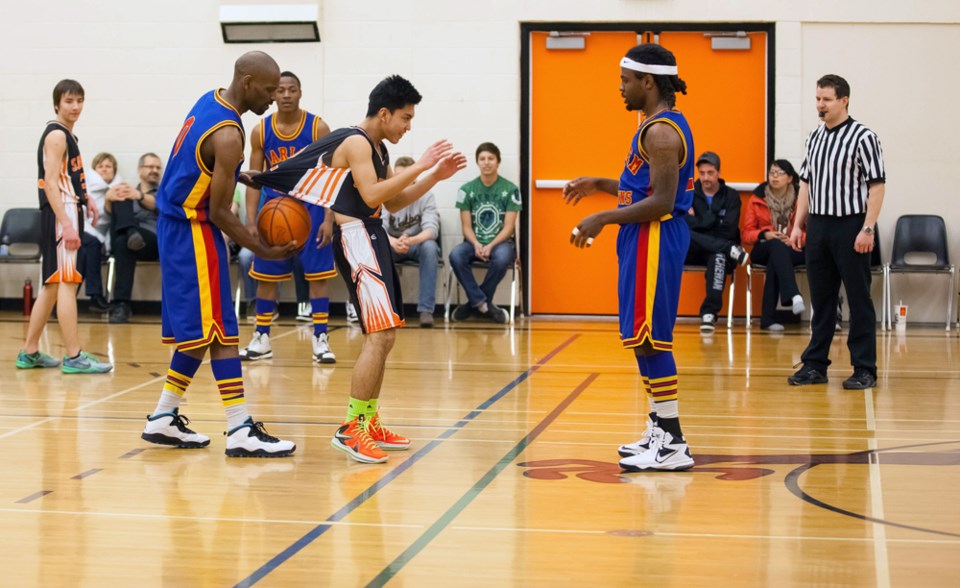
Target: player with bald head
194, 200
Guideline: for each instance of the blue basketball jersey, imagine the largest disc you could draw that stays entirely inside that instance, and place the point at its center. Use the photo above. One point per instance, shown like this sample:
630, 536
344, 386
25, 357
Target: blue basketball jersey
635, 179
184, 191
278, 147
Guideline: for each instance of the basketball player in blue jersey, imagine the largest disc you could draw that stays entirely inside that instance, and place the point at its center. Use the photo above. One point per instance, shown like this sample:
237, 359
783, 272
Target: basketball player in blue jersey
653, 193
277, 138
349, 171
194, 200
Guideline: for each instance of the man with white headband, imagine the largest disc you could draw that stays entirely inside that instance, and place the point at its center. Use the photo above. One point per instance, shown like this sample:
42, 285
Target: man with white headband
654, 191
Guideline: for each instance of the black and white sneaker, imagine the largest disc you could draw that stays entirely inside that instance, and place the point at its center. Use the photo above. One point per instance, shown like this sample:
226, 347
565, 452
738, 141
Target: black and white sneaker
664, 454
644, 443
251, 440
738, 254
259, 348
708, 323
170, 428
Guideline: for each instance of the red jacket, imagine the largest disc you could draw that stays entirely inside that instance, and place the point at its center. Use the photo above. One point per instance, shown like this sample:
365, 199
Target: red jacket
757, 220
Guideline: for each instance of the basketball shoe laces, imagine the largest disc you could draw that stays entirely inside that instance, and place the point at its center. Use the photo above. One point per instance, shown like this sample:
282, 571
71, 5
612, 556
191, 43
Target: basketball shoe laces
362, 437
382, 432
181, 423
260, 433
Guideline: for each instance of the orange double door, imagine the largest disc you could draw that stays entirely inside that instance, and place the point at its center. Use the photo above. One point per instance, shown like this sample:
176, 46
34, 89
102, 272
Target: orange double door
579, 126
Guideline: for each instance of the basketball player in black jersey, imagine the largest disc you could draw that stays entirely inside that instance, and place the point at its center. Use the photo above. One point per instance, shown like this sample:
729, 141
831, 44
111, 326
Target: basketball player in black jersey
349, 172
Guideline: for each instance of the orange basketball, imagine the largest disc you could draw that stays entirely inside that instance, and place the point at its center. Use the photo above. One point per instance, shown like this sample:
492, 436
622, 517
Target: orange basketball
282, 220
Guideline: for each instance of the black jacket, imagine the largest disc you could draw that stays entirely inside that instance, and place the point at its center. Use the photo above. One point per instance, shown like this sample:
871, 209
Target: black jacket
721, 218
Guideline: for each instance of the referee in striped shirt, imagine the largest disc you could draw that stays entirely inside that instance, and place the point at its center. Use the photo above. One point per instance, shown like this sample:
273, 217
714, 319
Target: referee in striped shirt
841, 191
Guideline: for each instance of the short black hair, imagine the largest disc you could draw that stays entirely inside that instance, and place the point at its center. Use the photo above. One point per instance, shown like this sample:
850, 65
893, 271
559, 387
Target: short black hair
392, 93
839, 85
788, 169
489, 148
667, 85
290, 74
65, 87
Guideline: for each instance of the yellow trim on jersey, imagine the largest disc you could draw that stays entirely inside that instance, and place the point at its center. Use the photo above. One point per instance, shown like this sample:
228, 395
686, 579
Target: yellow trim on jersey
224, 103
281, 136
263, 129
653, 269
676, 127
316, 127
219, 125
200, 187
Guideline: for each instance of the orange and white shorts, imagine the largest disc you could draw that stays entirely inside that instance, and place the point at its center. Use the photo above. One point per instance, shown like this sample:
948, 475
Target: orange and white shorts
59, 263
363, 257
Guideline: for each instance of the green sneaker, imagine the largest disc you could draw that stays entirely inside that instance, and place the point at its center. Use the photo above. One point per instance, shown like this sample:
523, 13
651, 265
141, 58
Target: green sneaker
84, 364
26, 361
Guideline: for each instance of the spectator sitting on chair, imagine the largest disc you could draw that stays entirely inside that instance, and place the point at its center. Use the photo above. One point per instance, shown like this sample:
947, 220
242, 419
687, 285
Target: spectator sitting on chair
489, 207
714, 221
769, 220
103, 179
413, 233
133, 232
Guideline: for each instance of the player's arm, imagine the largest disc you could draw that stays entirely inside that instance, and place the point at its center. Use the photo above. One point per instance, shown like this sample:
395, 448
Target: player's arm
224, 148
54, 150
663, 147
576, 189
445, 168
356, 153
252, 201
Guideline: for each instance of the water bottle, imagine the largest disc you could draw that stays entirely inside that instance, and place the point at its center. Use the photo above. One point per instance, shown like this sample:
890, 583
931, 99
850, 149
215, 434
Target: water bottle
27, 297
5, 246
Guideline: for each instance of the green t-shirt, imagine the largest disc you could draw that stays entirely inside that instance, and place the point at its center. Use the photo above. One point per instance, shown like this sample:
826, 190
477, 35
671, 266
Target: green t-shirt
488, 205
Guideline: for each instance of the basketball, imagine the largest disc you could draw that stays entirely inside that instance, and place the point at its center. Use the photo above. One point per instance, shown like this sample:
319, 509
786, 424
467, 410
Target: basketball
282, 220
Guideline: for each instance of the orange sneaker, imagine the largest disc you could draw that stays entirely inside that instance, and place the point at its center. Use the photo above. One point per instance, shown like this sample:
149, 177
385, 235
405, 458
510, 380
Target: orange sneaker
352, 439
386, 438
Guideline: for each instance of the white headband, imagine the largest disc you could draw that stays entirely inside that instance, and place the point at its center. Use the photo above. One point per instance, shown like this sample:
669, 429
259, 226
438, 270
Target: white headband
660, 70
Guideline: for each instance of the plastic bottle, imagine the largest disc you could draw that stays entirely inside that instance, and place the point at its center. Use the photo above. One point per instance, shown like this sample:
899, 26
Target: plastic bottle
27, 297
5, 246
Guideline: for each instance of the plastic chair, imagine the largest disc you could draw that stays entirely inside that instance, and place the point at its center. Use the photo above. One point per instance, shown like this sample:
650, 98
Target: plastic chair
920, 233
21, 230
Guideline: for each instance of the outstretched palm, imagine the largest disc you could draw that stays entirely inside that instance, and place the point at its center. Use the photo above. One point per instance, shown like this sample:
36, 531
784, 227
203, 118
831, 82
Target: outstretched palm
450, 165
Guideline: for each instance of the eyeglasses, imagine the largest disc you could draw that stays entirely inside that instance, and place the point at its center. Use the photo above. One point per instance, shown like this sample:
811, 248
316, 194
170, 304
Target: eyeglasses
776, 173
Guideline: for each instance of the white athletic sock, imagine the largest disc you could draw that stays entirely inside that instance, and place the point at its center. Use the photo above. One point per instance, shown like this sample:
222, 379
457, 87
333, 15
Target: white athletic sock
236, 415
168, 402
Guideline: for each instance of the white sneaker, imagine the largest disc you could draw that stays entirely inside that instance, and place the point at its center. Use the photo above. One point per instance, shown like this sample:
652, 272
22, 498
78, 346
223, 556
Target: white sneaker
259, 348
665, 453
775, 328
321, 350
251, 440
798, 306
640, 446
304, 313
739, 255
707, 323
352, 314
170, 428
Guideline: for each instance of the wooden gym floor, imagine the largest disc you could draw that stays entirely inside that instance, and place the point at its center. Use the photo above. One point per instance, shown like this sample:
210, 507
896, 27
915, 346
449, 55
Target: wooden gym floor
513, 477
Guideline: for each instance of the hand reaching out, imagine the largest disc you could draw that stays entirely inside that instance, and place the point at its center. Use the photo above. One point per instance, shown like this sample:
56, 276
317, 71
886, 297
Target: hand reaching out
435, 153
450, 165
576, 189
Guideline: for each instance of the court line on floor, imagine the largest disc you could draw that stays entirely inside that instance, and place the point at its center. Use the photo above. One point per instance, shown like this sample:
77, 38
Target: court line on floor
360, 499
105, 399
700, 535
394, 567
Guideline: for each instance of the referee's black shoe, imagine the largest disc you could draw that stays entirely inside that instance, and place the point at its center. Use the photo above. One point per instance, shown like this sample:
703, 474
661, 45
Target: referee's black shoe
807, 375
861, 379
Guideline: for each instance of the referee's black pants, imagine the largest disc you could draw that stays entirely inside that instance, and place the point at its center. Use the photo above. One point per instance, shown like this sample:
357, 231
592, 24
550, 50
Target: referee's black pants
831, 260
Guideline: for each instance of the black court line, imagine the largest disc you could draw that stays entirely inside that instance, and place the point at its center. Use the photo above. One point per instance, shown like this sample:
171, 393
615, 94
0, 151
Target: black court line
34, 496
133, 452
430, 534
392, 475
86, 474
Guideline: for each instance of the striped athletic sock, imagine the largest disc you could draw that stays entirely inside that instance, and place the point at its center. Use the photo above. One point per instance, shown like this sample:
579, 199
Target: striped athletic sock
265, 310
320, 307
179, 375
371, 410
356, 407
230, 382
644, 376
663, 384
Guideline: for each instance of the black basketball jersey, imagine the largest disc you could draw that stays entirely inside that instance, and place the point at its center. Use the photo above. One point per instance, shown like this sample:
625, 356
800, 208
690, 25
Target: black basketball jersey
309, 177
73, 185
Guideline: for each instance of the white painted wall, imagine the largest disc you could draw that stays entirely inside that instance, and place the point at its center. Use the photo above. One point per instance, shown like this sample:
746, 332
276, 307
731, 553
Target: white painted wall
144, 64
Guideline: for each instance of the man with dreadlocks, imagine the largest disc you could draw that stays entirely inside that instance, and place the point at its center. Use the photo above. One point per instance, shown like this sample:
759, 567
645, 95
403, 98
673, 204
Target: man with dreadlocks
653, 193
